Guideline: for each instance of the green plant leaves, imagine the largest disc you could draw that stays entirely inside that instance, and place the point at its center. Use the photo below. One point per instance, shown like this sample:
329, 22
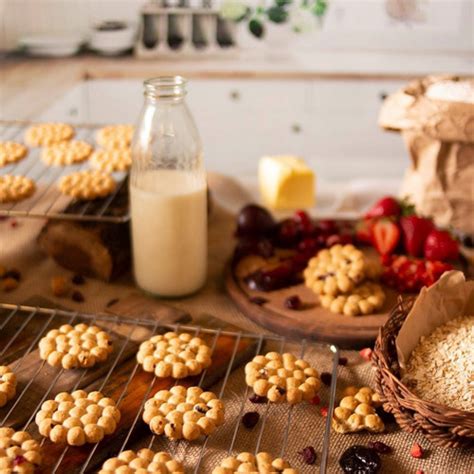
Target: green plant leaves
277, 14
256, 27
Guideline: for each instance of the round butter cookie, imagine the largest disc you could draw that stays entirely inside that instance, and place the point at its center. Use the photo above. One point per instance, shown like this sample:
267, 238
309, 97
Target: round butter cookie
262, 463
77, 418
142, 462
45, 134
11, 152
183, 413
66, 153
109, 160
69, 347
115, 136
174, 355
282, 377
19, 452
7, 385
14, 188
87, 185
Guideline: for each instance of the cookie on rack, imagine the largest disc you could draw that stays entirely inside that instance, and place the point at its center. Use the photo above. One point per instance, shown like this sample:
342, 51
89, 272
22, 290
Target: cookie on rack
72, 347
45, 134
11, 152
366, 298
336, 270
356, 411
143, 462
183, 413
14, 188
282, 377
7, 385
19, 452
262, 463
77, 418
87, 185
111, 159
115, 136
66, 153
174, 355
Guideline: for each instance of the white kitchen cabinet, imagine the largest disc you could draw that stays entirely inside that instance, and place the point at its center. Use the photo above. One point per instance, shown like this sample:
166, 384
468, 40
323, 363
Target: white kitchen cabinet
332, 123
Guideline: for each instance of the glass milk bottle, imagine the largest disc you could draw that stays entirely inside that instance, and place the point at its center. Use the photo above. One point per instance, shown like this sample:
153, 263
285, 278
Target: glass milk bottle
168, 194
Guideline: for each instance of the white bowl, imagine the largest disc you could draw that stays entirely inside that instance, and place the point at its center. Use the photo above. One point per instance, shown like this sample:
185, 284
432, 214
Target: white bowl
60, 45
112, 42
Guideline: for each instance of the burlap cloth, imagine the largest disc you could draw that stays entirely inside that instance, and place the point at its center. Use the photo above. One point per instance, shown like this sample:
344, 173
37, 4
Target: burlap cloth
18, 249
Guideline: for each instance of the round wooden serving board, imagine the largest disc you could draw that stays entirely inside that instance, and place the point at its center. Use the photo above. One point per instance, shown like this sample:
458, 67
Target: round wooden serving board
313, 322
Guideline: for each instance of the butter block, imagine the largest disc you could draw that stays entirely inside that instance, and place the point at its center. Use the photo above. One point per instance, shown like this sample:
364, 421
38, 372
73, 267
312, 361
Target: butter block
286, 182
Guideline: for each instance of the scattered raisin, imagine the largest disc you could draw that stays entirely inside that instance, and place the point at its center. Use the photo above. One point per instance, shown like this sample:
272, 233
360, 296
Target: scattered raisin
111, 302
360, 460
78, 279
250, 419
309, 455
380, 447
258, 398
77, 296
9, 284
293, 302
13, 223
416, 451
258, 300
281, 390
342, 361
12, 273
326, 378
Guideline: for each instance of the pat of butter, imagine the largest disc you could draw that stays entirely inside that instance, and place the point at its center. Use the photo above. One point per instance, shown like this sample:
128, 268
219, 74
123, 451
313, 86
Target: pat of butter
286, 182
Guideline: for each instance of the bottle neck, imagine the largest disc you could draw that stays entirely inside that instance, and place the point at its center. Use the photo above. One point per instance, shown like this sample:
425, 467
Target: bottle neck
170, 89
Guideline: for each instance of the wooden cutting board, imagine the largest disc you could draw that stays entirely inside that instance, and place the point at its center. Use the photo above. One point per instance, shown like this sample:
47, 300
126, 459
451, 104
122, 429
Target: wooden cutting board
314, 321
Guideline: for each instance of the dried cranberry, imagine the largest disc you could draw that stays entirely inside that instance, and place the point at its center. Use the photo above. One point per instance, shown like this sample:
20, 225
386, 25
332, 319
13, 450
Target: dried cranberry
258, 300
342, 361
304, 221
315, 400
13, 223
360, 460
111, 302
366, 353
13, 273
380, 447
77, 296
324, 411
327, 226
416, 451
333, 239
258, 398
293, 302
78, 279
288, 233
308, 245
254, 221
326, 378
309, 455
250, 419
18, 460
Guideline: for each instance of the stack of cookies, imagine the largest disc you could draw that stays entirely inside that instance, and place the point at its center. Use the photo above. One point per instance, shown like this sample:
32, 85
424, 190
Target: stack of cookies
344, 280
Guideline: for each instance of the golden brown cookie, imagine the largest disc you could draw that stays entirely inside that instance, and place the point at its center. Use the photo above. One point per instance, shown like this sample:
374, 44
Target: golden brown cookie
282, 377
19, 452
72, 347
366, 298
14, 188
113, 159
66, 153
174, 355
7, 385
45, 134
142, 462
11, 152
77, 418
87, 185
115, 136
356, 411
182, 412
262, 463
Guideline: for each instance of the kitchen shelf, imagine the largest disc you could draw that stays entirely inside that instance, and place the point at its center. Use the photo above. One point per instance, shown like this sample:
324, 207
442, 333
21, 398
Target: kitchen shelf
121, 378
47, 201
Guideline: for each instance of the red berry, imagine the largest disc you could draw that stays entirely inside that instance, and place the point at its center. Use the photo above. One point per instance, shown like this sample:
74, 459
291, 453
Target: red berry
415, 229
419, 471
385, 236
328, 226
440, 245
363, 231
416, 451
366, 353
388, 206
324, 411
304, 222
315, 400
18, 460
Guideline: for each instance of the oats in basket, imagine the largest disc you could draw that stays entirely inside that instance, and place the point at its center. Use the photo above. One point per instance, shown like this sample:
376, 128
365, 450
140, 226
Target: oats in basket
142, 462
74, 347
11, 152
182, 412
262, 463
77, 418
7, 385
19, 452
356, 412
446, 356
282, 377
174, 355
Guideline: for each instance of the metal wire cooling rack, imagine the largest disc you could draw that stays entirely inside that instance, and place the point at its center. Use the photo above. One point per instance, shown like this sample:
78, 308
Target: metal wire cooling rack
121, 378
47, 201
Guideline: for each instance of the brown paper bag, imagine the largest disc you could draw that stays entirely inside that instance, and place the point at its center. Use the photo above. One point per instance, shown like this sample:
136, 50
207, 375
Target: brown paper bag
439, 136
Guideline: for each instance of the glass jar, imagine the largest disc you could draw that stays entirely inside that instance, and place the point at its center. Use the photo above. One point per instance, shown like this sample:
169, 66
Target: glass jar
168, 194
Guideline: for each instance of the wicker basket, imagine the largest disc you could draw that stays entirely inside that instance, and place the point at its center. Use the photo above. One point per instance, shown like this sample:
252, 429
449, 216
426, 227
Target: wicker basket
447, 427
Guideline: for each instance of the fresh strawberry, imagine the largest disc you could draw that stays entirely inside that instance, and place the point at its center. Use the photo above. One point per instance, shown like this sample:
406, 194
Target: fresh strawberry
388, 206
385, 235
415, 229
363, 231
440, 245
